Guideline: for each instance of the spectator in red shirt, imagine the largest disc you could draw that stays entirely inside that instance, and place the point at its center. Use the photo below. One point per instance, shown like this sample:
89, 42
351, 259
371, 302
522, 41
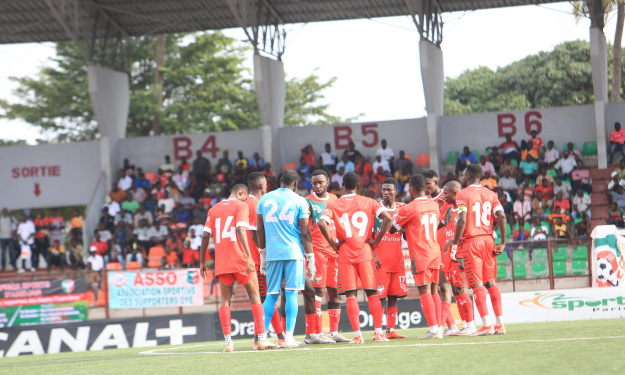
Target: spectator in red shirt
510, 149
101, 246
564, 204
537, 142
579, 178
184, 164
547, 191
617, 140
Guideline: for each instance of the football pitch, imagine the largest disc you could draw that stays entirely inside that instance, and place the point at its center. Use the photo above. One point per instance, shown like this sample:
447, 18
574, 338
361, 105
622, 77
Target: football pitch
580, 347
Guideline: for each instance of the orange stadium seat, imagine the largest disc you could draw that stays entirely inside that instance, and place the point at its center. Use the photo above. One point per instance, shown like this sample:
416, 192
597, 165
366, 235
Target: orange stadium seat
154, 263
114, 266
156, 252
290, 165
423, 160
406, 156
133, 265
150, 176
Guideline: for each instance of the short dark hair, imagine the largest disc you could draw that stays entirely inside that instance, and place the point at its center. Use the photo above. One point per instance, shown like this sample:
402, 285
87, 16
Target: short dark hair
238, 187
289, 177
418, 181
350, 180
391, 181
430, 173
254, 178
474, 171
320, 172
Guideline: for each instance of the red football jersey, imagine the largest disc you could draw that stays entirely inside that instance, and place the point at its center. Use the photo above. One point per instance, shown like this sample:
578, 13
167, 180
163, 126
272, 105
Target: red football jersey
222, 221
420, 219
353, 217
252, 203
389, 251
481, 205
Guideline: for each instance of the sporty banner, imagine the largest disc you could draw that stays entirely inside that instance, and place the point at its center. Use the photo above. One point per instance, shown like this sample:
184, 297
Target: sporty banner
39, 288
30, 315
155, 289
608, 263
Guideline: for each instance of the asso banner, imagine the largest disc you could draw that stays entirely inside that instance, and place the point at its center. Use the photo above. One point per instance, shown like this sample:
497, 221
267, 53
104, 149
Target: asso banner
566, 304
39, 288
155, 289
29, 315
607, 257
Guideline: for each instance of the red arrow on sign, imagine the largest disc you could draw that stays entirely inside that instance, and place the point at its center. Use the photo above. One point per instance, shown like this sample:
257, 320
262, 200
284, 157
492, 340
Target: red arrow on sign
37, 190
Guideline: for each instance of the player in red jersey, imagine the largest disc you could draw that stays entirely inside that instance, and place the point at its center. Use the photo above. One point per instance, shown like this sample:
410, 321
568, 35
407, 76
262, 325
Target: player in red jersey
452, 269
257, 183
326, 260
391, 273
444, 288
419, 219
477, 206
228, 221
353, 216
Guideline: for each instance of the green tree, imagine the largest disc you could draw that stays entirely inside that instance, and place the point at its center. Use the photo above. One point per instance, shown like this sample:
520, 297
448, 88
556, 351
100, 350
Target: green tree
203, 87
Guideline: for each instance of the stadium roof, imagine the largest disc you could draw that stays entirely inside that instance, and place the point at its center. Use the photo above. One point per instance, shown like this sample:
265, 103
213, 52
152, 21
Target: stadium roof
23, 21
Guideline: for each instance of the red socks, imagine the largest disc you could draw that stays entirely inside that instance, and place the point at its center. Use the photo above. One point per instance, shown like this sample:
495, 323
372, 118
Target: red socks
276, 323
391, 317
226, 324
259, 318
318, 316
335, 317
466, 306
375, 308
311, 321
495, 299
427, 304
437, 307
480, 300
447, 318
353, 312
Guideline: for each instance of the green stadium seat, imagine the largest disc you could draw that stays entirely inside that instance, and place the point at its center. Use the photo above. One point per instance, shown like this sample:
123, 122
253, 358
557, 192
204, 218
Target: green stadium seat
502, 258
578, 220
589, 148
520, 256
578, 267
567, 181
580, 253
560, 254
539, 269
552, 172
513, 161
532, 183
452, 157
559, 268
527, 226
539, 255
502, 272
520, 272
547, 211
546, 224
477, 154
488, 151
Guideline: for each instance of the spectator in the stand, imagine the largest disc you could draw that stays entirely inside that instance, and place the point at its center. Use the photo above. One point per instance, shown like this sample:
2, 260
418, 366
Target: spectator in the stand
522, 209
529, 151
177, 230
346, 164
615, 216
186, 201
582, 229
118, 195
97, 243
579, 178
168, 167
488, 181
581, 205
561, 202
130, 204
42, 238
562, 231
304, 168
125, 180
386, 153
75, 250
510, 149
75, 224
241, 160
143, 234
95, 260
56, 255
618, 196
538, 230
487, 167
526, 190
401, 161
270, 176
543, 175
104, 233
621, 169
181, 214
380, 174
351, 153
128, 168
538, 205
380, 162
537, 142
465, 158
303, 186
506, 203
520, 234
93, 278
202, 170
8, 224
184, 164
374, 190
551, 155
508, 166
508, 184
167, 202
200, 211
182, 179
256, 162
566, 165
616, 180
57, 227
197, 227
158, 233
26, 242
617, 141
572, 151
328, 159
143, 183
547, 192
338, 176
403, 175
560, 187
308, 153
138, 194
528, 167
495, 158
557, 212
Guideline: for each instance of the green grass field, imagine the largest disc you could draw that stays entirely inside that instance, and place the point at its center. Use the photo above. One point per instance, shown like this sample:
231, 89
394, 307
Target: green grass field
581, 347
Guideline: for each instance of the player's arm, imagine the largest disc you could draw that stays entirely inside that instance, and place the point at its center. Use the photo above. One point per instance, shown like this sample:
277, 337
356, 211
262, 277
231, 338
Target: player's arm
307, 245
203, 248
242, 237
325, 231
261, 243
386, 224
460, 226
501, 220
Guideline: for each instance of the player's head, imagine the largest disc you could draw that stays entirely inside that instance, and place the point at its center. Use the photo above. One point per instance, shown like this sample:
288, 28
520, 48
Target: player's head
319, 181
289, 179
240, 192
257, 182
431, 182
350, 181
450, 190
472, 174
389, 189
416, 186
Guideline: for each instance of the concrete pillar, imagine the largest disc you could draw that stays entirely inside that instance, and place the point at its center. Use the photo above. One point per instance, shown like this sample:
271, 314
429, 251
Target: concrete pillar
433, 77
270, 95
599, 63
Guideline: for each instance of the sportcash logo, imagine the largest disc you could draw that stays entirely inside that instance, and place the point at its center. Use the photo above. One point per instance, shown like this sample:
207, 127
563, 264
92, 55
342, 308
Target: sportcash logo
559, 301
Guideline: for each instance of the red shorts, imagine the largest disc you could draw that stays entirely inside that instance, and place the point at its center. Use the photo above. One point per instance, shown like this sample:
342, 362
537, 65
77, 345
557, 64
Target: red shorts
429, 276
262, 282
480, 263
227, 279
391, 284
456, 276
351, 273
326, 271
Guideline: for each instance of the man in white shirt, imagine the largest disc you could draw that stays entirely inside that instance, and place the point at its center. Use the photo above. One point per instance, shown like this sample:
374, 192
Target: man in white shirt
559, 187
581, 205
96, 261
142, 214
26, 237
551, 154
125, 181
381, 162
168, 168
338, 177
386, 153
158, 233
167, 202
566, 165
8, 225
328, 159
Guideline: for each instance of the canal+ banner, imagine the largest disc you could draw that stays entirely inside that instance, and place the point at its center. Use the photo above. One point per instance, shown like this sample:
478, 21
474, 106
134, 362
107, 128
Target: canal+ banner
157, 288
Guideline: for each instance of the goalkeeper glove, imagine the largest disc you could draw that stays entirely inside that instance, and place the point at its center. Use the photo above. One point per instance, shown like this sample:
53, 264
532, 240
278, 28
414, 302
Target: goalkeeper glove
311, 264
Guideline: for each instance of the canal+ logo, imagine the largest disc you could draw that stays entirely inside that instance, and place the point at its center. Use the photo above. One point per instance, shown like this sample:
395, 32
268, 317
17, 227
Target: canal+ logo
557, 301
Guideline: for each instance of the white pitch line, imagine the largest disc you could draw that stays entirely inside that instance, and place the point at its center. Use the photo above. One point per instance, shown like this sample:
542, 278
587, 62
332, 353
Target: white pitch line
308, 348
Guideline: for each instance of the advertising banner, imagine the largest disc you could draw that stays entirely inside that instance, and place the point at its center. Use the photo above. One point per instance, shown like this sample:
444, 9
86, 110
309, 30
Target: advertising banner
608, 263
38, 288
30, 315
566, 304
168, 288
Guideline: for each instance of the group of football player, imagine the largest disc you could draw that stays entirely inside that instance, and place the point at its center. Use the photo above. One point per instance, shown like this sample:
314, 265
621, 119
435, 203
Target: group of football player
278, 243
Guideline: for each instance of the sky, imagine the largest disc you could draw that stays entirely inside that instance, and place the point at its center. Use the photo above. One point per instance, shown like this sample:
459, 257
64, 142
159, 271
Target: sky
375, 61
